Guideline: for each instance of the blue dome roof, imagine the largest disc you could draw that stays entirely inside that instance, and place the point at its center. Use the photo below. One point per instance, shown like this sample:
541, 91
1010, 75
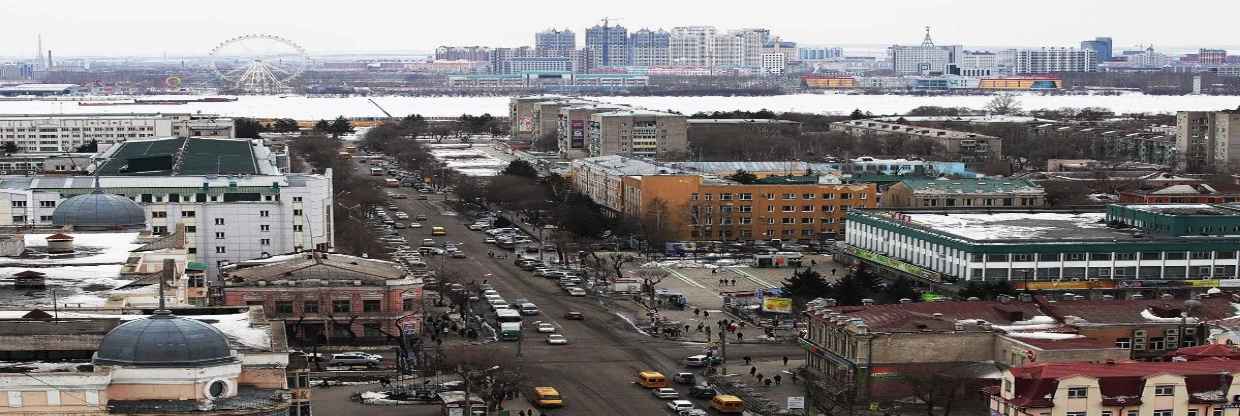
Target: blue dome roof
164, 341
99, 210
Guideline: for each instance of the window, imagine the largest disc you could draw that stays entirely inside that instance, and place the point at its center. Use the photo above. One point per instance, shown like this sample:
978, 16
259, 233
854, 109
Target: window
1074, 413
310, 307
1107, 413
188, 214
159, 230
828, 208
1200, 255
1074, 256
997, 257
1151, 255
191, 250
1099, 256
1077, 392
807, 196
725, 197
297, 228
788, 208
790, 196
47, 204
297, 199
707, 196
264, 242
264, 228
341, 306
807, 208
1164, 389
190, 229
219, 221
297, 212
284, 306
746, 220
1162, 412
1123, 343
746, 196
1192, 412
1125, 256
220, 250
219, 235
264, 213
1022, 257
371, 305
845, 195
788, 220
45, 218
828, 196
1175, 255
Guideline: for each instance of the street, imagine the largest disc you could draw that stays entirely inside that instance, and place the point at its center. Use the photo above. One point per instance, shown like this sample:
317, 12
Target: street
595, 372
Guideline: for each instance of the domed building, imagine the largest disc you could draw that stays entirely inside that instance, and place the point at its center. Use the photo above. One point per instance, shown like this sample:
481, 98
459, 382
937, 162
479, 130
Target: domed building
138, 349
99, 211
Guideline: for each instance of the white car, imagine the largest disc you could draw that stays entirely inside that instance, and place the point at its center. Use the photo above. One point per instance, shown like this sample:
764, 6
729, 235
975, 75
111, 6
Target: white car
546, 327
576, 291
489, 241
557, 339
679, 405
665, 393
415, 225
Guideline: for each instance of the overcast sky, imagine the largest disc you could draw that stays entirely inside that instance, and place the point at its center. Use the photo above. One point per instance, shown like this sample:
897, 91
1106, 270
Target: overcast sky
152, 28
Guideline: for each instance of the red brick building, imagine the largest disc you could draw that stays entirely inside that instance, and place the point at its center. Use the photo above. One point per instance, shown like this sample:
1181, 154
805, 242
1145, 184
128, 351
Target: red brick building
330, 298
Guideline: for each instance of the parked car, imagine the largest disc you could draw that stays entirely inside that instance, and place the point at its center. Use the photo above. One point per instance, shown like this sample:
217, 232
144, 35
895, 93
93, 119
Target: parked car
546, 327
665, 393
576, 291
356, 359
678, 405
458, 254
574, 316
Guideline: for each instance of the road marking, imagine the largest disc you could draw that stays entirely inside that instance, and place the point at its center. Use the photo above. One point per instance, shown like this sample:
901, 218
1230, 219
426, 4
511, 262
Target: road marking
686, 279
752, 278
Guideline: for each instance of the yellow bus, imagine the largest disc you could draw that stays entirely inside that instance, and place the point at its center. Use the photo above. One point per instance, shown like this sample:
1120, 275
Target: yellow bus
725, 403
651, 379
546, 397
438, 231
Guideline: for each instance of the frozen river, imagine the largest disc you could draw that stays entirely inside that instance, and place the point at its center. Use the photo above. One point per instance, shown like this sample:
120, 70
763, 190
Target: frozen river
309, 108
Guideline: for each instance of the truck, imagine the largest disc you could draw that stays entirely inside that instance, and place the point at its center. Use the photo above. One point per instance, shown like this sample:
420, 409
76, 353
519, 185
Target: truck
509, 331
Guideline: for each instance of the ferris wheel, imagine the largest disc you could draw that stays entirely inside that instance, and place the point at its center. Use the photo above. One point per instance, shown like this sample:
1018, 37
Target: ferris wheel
258, 63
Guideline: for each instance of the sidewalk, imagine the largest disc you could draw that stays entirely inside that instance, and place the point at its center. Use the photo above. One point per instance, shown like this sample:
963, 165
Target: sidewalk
739, 382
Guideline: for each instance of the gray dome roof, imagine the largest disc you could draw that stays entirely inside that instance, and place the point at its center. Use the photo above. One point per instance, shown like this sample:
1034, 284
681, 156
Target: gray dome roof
164, 341
99, 210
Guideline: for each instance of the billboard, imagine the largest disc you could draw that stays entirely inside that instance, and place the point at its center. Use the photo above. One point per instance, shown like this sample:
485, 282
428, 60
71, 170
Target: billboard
777, 305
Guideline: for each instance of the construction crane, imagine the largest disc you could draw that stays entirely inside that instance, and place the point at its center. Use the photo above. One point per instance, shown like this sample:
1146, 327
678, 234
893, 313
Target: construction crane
385, 112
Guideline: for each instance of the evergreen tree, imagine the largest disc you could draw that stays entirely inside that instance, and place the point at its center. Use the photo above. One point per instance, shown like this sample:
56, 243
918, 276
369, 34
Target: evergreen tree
521, 168
743, 176
902, 288
804, 286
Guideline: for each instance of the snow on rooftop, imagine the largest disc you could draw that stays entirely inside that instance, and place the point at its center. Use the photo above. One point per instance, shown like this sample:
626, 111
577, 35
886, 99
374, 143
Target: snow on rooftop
1007, 225
1053, 336
237, 327
92, 248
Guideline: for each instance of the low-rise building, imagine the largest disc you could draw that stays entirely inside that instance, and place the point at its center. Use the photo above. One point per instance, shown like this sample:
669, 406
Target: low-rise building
329, 298
637, 132
705, 128
574, 126
1118, 388
963, 193
1179, 194
1127, 249
697, 207
971, 148
65, 133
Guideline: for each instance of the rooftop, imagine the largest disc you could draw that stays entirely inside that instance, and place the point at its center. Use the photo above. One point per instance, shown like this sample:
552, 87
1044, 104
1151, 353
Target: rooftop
183, 156
693, 121
1015, 225
318, 266
249, 400
85, 277
972, 186
1139, 312
908, 317
909, 129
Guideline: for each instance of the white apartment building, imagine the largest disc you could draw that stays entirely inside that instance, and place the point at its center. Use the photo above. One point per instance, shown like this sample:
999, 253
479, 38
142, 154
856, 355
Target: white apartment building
234, 202
65, 133
773, 63
978, 64
1051, 60
692, 46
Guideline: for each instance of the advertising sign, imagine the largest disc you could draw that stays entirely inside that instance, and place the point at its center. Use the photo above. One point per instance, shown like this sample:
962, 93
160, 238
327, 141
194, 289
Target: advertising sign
777, 305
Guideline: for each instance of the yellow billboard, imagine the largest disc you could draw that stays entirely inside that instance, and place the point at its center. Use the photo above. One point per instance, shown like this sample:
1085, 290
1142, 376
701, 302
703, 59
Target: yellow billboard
777, 305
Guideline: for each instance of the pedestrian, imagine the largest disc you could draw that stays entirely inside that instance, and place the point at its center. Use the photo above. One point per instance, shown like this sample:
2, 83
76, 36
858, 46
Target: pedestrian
785, 361
733, 282
697, 312
714, 271
832, 272
700, 326
778, 379
705, 314
759, 377
753, 370
768, 382
813, 262
686, 329
794, 378
739, 336
747, 359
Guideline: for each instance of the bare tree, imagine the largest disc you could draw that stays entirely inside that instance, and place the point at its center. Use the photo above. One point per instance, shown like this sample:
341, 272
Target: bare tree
651, 277
493, 377
1003, 104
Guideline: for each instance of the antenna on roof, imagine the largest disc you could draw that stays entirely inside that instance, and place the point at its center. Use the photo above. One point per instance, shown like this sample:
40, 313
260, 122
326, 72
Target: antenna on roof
164, 274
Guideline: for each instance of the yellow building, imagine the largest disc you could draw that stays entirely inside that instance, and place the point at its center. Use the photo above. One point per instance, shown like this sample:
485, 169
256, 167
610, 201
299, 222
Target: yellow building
1194, 388
820, 81
696, 207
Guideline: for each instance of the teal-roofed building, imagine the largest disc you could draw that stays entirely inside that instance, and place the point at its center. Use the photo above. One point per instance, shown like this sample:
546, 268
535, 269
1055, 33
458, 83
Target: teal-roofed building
1123, 250
963, 193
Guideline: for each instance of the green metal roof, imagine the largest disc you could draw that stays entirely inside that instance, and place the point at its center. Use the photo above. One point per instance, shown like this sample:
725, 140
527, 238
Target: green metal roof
196, 266
180, 156
971, 186
787, 180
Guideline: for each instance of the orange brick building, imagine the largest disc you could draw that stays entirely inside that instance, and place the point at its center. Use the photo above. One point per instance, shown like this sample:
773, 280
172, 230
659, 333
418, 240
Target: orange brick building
695, 207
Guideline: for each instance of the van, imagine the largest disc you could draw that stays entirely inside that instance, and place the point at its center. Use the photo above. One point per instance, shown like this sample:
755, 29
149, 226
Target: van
726, 403
651, 379
438, 231
546, 397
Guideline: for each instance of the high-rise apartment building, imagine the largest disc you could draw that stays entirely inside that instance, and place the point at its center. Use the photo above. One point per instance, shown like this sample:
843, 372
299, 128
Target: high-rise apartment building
1050, 60
1208, 141
649, 48
692, 46
1212, 56
608, 45
1103, 48
924, 59
501, 56
552, 42
752, 42
819, 54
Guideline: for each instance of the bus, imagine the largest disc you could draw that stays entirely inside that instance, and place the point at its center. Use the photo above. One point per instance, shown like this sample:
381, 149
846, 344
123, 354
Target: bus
509, 331
507, 315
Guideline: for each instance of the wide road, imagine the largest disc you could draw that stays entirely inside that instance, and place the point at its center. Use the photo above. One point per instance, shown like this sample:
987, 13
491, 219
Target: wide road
596, 370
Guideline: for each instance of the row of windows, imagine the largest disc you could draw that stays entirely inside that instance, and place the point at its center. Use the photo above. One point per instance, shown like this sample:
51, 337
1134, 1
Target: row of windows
218, 221
1130, 272
988, 202
42, 204
727, 209
1102, 256
337, 306
749, 196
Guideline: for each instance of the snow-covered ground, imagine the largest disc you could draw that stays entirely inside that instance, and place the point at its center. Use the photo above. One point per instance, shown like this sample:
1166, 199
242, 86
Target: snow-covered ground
478, 160
314, 108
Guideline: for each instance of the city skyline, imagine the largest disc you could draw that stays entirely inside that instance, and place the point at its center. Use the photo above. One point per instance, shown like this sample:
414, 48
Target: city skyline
92, 29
